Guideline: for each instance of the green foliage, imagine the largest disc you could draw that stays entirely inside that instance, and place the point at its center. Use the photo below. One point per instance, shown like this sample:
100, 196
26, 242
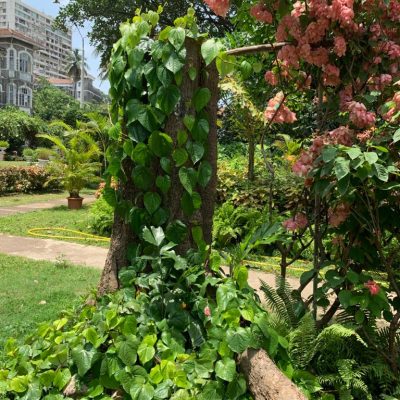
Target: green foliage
75, 167
50, 103
160, 337
231, 224
17, 127
4, 144
101, 217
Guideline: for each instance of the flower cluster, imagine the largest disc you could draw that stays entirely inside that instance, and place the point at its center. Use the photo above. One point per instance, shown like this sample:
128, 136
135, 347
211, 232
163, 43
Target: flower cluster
277, 112
261, 13
359, 115
373, 287
338, 214
298, 222
220, 7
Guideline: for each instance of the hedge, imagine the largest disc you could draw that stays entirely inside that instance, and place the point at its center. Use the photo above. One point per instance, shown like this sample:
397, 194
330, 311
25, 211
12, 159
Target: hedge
25, 180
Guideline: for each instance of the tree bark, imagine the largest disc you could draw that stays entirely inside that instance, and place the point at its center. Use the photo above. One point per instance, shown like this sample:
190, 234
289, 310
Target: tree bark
265, 380
207, 77
122, 236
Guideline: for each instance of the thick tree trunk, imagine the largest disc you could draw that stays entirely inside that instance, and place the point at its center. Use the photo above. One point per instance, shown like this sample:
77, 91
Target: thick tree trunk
265, 380
122, 235
207, 77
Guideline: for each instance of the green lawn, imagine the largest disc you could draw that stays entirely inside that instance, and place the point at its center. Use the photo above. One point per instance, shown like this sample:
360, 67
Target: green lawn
59, 217
36, 291
22, 199
4, 164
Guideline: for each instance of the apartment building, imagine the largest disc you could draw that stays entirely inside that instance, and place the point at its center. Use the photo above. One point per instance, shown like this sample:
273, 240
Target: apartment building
54, 46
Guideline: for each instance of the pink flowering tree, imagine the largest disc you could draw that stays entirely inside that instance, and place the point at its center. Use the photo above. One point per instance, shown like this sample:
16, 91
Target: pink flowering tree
345, 54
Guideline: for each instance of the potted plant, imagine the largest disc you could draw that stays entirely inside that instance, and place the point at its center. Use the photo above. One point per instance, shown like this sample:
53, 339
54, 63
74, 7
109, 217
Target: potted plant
3, 147
43, 155
77, 166
29, 154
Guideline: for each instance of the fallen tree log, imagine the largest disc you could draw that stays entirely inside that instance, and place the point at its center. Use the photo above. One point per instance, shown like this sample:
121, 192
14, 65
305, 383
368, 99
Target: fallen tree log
265, 380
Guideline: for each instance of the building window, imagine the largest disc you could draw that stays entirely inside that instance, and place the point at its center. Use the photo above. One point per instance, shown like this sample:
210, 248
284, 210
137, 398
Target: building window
11, 59
25, 62
11, 93
3, 58
24, 97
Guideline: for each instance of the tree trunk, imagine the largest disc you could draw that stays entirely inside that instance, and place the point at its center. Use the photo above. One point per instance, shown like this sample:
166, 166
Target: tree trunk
122, 236
252, 149
265, 380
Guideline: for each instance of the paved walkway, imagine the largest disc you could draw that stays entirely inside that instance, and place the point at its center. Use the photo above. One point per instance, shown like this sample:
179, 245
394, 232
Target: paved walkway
25, 208
93, 256
53, 250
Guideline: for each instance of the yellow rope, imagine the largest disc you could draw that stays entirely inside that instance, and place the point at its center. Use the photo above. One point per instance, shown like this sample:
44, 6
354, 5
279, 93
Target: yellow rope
78, 235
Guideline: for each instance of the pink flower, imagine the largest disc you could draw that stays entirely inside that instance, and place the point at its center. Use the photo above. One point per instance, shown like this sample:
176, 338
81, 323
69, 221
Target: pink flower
207, 311
298, 9
288, 54
340, 46
261, 13
277, 112
342, 135
373, 287
271, 78
304, 164
299, 221
331, 75
359, 115
220, 7
339, 214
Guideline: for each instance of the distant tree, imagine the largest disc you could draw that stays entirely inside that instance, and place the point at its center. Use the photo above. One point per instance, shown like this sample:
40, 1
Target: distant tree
19, 128
74, 67
50, 102
105, 17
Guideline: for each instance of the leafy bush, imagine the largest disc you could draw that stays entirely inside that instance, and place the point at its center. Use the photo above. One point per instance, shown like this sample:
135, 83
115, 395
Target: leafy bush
25, 180
232, 224
43, 153
101, 217
4, 144
28, 152
161, 337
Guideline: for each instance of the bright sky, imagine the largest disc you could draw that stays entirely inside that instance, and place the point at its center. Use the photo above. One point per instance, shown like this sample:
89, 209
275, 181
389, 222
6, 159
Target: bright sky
48, 7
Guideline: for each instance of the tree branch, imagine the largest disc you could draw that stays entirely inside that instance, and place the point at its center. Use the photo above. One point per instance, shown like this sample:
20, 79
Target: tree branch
259, 48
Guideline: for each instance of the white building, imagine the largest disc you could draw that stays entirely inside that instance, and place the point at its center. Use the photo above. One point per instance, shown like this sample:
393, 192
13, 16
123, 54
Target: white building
50, 60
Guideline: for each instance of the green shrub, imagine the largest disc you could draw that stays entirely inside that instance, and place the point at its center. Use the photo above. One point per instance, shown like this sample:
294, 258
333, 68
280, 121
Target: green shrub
24, 180
4, 144
232, 224
101, 217
163, 336
43, 153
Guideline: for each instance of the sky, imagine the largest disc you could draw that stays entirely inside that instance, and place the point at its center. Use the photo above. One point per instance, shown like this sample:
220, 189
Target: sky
93, 61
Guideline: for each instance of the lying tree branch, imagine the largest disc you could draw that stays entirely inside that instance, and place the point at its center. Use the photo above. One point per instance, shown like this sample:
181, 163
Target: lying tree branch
265, 380
258, 48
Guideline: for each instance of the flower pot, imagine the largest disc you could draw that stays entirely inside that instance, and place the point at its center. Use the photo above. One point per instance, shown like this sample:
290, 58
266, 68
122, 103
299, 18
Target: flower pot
42, 163
2, 154
75, 203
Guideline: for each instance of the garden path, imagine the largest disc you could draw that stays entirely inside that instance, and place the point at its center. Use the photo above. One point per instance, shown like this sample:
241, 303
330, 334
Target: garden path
94, 256
42, 205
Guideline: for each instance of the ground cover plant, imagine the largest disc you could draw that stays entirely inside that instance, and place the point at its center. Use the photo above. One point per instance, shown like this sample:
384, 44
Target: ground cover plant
33, 292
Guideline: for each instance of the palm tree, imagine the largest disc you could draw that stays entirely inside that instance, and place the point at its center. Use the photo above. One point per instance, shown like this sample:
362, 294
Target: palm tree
73, 68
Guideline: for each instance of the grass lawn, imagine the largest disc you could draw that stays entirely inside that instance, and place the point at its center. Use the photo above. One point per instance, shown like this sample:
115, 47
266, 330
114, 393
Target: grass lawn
4, 164
22, 199
59, 217
25, 285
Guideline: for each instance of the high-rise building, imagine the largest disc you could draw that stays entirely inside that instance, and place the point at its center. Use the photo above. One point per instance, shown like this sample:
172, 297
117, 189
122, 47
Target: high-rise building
54, 46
